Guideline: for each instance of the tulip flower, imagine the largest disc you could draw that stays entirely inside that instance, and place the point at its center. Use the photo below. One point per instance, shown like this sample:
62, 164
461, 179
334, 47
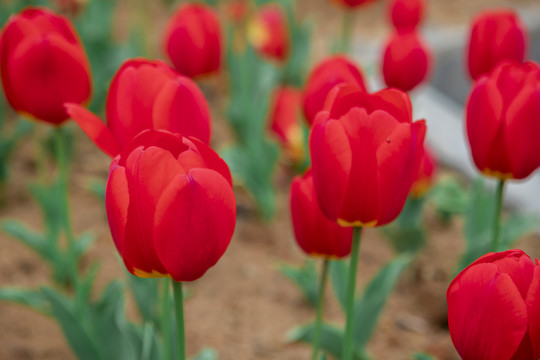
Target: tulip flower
406, 14
192, 40
365, 151
405, 61
146, 95
494, 308
285, 121
424, 177
269, 33
170, 206
327, 74
351, 3
502, 121
43, 64
314, 233
495, 36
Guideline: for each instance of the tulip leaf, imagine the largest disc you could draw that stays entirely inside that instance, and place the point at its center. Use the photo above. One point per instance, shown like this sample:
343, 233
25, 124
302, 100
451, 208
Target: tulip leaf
368, 308
206, 354
31, 298
82, 244
30, 238
305, 277
339, 270
422, 356
146, 294
77, 335
450, 198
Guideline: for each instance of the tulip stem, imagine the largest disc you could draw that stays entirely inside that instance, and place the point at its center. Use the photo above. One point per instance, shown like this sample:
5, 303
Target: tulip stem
346, 28
497, 216
179, 302
63, 171
165, 316
351, 284
320, 303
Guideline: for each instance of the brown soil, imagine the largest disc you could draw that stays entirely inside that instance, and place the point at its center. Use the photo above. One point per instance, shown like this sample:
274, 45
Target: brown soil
243, 307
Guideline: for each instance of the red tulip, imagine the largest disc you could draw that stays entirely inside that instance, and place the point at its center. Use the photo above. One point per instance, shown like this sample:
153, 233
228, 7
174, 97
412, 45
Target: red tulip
494, 308
365, 151
503, 127
170, 206
285, 120
351, 3
405, 61
424, 177
43, 64
495, 36
406, 14
143, 95
192, 40
268, 32
327, 74
314, 233
237, 10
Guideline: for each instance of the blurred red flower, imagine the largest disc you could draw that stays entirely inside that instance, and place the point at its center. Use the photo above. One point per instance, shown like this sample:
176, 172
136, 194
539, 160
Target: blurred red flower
193, 41
351, 3
495, 36
43, 64
365, 152
170, 205
269, 33
494, 308
424, 177
144, 95
406, 14
502, 120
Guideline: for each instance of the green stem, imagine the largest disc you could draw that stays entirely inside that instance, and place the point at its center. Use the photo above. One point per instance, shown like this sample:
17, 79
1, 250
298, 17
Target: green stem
349, 305
318, 318
165, 319
497, 216
179, 302
63, 173
346, 28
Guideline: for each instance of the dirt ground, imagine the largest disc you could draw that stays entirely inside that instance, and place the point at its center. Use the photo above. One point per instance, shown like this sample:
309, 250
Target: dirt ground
243, 307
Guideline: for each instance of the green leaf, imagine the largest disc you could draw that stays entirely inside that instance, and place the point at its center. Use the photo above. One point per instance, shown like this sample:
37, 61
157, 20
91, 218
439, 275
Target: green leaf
422, 356
146, 294
206, 354
30, 238
78, 337
31, 298
145, 341
305, 277
405, 239
450, 197
368, 308
82, 244
339, 270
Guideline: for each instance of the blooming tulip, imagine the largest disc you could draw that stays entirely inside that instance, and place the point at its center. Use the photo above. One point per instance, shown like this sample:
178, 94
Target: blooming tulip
284, 120
406, 14
495, 36
268, 32
502, 121
351, 3
365, 151
170, 206
192, 40
314, 233
145, 95
494, 308
43, 64
424, 177
327, 74
405, 61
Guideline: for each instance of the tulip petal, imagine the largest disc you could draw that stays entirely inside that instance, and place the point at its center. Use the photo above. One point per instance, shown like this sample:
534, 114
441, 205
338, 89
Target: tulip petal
332, 158
117, 204
533, 309
210, 157
181, 107
194, 223
473, 298
94, 128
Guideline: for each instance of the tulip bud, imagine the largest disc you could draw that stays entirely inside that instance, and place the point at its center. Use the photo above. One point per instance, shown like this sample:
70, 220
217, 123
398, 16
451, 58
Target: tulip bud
495, 36
170, 206
365, 152
351, 3
502, 120
424, 177
285, 121
406, 14
43, 65
144, 95
192, 40
327, 74
494, 308
268, 32
314, 233
405, 61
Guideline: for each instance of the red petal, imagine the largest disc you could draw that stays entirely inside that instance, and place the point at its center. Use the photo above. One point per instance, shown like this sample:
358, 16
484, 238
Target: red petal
533, 310
117, 204
195, 220
94, 128
210, 157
